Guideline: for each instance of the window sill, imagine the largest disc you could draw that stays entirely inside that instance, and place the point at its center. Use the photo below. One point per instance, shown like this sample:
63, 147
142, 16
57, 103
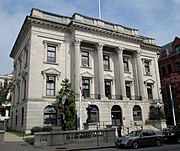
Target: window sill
108, 70
128, 72
52, 63
148, 75
86, 67
50, 97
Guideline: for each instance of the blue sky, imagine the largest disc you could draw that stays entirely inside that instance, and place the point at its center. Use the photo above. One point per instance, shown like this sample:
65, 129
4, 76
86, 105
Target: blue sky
158, 19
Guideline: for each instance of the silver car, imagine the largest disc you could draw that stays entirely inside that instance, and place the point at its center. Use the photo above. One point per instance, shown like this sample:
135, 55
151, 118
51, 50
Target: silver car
139, 138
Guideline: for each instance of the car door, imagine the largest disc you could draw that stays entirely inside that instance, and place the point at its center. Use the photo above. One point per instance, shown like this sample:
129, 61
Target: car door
144, 138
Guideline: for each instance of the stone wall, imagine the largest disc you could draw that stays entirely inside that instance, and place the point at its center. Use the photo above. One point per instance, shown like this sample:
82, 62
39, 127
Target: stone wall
74, 137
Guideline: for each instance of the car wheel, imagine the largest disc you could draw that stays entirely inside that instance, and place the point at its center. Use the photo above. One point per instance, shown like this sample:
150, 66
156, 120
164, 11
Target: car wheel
178, 140
158, 143
135, 145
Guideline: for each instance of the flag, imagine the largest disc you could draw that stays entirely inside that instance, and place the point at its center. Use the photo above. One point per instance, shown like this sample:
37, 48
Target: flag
81, 86
172, 102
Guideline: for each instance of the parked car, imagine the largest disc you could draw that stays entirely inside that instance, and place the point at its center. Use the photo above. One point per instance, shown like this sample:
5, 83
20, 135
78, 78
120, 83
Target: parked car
138, 138
172, 134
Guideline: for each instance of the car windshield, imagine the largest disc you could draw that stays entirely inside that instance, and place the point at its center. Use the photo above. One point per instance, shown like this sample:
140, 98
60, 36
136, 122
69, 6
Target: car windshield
177, 127
134, 133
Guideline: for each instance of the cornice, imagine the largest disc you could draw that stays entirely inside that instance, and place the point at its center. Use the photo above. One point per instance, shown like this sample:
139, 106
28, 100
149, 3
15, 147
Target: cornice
78, 25
73, 25
150, 47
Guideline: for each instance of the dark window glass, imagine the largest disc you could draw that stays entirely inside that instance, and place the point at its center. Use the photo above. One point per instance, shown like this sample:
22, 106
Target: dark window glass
177, 66
108, 88
50, 115
50, 86
86, 87
137, 115
126, 65
94, 114
169, 68
147, 67
177, 49
22, 118
51, 54
128, 89
163, 71
106, 62
149, 91
85, 58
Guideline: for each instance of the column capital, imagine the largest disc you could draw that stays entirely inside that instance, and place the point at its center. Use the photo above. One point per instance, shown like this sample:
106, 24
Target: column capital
100, 46
120, 50
77, 41
138, 52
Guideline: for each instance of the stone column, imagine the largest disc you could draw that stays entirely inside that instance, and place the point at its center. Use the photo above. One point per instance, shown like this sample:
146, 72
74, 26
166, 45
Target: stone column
157, 78
77, 60
101, 69
121, 72
140, 74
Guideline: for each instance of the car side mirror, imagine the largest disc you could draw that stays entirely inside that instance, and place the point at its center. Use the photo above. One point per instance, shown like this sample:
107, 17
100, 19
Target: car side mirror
141, 135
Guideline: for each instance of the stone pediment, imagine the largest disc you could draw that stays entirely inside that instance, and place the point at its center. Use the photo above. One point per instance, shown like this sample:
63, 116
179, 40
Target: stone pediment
51, 71
108, 76
87, 74
149, 81
128, 78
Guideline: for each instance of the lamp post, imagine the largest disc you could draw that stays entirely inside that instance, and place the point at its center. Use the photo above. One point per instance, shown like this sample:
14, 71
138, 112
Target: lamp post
159, 109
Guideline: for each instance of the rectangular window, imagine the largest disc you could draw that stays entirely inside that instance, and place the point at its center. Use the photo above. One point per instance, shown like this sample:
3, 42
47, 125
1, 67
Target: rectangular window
128, 89
177, 66
163, 71
126, 64
85, 58
51, 53
86, 87
147, 67
106, 62
108, 88
24, 89
50, 86
149, 91
26, 58
169, 68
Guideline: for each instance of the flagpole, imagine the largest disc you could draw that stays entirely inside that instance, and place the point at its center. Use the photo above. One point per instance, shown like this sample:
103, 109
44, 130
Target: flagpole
172, 103
80, 105
99, 9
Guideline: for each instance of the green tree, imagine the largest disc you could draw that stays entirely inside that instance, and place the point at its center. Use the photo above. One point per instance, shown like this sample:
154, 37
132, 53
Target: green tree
65, 103
4, 90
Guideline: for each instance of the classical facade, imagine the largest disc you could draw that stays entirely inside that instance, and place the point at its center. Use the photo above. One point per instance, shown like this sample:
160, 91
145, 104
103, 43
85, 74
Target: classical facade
118, 68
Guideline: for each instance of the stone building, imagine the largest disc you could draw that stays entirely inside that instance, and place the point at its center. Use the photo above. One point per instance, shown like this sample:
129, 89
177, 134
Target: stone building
5, 105
118, 67
169, 63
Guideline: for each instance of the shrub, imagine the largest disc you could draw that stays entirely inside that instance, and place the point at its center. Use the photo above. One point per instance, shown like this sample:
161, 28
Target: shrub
36, 129
41, 129
47, 128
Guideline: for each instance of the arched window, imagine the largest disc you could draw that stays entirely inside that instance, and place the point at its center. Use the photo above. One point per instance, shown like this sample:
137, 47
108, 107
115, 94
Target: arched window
137, 113
16, 116
50, 115
93, 112
116, 115
22, 118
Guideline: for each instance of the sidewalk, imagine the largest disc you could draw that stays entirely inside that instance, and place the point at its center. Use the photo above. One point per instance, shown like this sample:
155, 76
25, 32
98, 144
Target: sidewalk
15, 143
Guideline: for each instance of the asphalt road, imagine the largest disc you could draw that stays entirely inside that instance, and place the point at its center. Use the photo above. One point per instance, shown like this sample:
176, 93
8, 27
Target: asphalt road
165, 147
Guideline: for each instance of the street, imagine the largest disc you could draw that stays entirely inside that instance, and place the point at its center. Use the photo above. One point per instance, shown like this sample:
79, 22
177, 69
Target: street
165, 147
